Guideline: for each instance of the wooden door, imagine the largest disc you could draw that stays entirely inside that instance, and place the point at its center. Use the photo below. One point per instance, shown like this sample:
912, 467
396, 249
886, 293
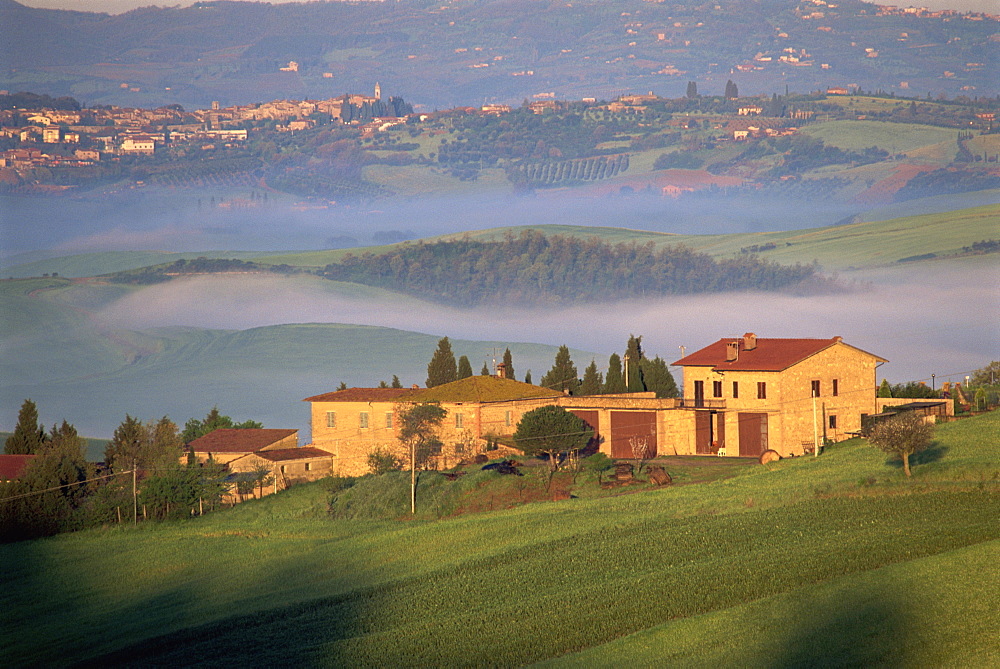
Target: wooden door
753, 433
628, 427
702, 432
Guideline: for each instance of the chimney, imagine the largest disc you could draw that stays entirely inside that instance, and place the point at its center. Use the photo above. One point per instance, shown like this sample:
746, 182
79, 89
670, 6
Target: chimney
732, 351
415, 387
501, 371
749, 341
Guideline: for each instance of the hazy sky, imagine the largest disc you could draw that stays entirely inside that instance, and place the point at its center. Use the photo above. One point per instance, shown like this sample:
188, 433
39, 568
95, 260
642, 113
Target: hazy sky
117, 6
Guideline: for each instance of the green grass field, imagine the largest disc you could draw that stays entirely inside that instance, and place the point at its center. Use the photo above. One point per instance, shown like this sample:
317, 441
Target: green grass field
892, 137
838, 247
828, 561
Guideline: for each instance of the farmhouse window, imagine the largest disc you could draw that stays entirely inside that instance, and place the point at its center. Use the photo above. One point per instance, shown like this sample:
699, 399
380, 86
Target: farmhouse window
833, 422
815, 389
363, 420
507, 418
761, 390
459, 420
331, 419
282, 469
716, 388
388, 421
459, 447
308, 466
836, 387
736, 389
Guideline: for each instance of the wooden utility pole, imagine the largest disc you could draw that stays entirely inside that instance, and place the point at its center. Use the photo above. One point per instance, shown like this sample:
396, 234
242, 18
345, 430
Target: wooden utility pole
135, 498
413, 476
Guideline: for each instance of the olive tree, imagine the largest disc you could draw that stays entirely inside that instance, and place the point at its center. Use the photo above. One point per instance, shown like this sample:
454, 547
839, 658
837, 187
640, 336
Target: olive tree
904, 434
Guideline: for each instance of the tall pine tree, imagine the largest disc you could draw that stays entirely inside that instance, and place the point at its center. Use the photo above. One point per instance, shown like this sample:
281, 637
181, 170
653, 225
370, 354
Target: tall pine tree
657, 377
563, 375
442, 368
29, 436
731, 91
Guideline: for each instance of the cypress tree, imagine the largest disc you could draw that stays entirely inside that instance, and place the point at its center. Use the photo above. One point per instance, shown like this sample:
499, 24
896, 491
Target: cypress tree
527, 376
657, 377
634, 381
29, 436
614, 382
508, 364
485, 371
464, 367
692, 89
563, 375
592, 382
442, 368
885, 390
395, 382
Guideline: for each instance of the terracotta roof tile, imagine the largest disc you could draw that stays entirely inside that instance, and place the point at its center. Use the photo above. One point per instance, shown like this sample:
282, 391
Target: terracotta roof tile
361, 395
232, 440
481, 389
13, 466
770, 355
284, 454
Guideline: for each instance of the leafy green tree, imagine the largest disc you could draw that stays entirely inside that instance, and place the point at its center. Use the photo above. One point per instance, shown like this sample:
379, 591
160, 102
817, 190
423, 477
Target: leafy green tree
508, 364
163, 444
657, 377
395, 382
903, 435
986, 376
53, 488
418, 427
614, 382
126, 446
592, 383
884, 390
563, 375
464, 367
383, 384
382, 460
342, 386
29, 436
215, 420
914, 390
551, 430
442, 368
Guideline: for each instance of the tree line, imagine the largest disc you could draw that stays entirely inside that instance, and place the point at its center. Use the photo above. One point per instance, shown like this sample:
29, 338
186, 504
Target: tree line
60, 491
635, 373
536, 268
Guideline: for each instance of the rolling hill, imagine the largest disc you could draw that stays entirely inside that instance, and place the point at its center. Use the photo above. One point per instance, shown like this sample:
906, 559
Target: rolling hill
60, 350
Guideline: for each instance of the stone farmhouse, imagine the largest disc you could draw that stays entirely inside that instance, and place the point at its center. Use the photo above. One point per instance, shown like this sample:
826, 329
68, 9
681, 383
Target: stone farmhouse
245, 450
742, 396
750, 395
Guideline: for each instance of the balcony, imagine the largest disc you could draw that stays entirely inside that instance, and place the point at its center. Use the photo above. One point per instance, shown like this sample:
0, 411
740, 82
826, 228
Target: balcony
701, 403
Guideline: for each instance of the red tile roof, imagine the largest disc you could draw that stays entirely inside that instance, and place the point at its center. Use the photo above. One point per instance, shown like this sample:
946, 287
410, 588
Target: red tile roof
770, 355
304, 453
13, 466
361, 395
231, 440
482, 389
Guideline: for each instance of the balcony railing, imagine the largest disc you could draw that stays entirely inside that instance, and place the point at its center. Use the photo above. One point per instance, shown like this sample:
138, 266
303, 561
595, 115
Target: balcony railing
701, 403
